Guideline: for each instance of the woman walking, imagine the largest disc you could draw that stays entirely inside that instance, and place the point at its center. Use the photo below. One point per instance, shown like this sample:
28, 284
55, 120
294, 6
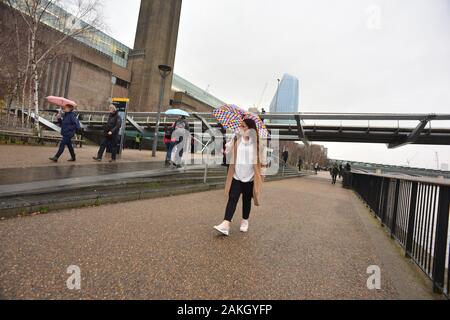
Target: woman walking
111, 134
69, 125
244, 175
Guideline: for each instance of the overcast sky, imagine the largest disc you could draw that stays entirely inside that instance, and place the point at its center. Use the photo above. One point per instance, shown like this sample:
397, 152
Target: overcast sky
350, 56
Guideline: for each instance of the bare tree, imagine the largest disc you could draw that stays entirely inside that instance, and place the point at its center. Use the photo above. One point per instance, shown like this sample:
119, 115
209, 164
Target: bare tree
310, 155
73, 19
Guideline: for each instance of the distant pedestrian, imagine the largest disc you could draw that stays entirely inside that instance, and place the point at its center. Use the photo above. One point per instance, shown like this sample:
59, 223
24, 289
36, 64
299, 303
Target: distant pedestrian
300, 164
69, 125
334, 171
316, 168
223, 131
244, 175
111, 133
138, 142
285, 156
341, 170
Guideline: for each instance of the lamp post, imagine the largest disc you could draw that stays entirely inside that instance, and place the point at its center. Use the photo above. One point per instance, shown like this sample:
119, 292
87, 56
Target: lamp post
164, 72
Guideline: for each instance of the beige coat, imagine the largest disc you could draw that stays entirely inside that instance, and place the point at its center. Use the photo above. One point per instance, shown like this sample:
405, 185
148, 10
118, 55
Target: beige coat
258, 168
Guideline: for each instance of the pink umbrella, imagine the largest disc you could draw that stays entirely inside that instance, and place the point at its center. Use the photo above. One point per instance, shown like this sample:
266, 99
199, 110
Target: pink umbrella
60, 101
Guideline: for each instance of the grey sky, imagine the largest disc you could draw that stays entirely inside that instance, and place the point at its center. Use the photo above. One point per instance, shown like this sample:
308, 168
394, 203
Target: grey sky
346, 59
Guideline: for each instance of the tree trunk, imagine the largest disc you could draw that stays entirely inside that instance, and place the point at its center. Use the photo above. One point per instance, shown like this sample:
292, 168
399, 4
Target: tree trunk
35, 77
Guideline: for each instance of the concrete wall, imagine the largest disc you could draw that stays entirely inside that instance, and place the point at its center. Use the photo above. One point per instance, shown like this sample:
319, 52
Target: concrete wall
90, 85
184, 101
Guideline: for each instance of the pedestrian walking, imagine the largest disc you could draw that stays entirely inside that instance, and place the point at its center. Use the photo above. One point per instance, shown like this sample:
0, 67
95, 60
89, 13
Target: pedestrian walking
111, 134
138, 142
334, 171
223, 131
316, 168
348, 167
182, 136
69, 125
169, 141
245, 175
341, 170
285, 156
300, 164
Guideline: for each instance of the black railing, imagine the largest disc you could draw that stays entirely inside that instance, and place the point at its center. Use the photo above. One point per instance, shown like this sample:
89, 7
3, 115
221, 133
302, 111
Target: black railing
415, 212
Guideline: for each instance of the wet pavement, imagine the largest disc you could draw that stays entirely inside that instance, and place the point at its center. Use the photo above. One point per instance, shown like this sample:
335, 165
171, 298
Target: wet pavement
23, 175
308, 240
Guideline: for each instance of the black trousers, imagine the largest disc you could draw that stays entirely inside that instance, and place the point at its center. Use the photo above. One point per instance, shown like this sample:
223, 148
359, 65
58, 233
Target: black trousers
238, 188
334, 178
66, 141
109, 143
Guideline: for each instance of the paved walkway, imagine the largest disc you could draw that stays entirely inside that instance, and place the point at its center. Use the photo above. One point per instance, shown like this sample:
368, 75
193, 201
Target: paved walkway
33, 172
26, 156
309, 240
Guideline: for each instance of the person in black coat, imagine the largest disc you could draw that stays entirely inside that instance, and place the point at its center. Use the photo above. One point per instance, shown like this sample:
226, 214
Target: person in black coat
111, 134
285, 156
69, 125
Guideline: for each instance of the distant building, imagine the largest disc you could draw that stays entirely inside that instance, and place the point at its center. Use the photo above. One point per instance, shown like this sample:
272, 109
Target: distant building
286, 98
93, 68
444, 166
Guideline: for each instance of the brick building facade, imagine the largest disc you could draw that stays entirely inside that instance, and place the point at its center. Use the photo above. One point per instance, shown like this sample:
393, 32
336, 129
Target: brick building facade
81, 72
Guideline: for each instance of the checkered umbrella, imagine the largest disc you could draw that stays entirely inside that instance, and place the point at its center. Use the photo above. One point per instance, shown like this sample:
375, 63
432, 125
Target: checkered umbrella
231, 116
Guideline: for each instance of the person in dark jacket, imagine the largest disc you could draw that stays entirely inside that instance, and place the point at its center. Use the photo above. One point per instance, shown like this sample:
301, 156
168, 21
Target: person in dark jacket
285, 156
69, 125
341, 170
334, 171
300, 164
111, 132
348, 167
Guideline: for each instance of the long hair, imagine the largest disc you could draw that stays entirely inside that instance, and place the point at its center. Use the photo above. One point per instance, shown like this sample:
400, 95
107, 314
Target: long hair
251, 124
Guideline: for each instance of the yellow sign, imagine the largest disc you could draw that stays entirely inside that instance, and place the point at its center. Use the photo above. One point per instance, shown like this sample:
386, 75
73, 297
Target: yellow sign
121, 100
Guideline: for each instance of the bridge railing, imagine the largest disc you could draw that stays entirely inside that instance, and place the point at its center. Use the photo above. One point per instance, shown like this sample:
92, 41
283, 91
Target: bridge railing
415, 211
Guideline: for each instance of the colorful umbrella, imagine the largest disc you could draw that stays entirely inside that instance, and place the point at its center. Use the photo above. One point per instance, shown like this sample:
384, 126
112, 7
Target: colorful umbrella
60, 101
231, 116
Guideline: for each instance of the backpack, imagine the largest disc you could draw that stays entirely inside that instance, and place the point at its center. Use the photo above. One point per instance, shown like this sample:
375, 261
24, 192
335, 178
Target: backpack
168, 132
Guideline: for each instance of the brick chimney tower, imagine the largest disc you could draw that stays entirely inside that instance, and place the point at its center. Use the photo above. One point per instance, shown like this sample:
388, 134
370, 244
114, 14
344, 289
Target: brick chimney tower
155, 44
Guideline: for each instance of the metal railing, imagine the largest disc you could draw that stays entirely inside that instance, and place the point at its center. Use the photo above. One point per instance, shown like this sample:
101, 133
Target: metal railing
415, 211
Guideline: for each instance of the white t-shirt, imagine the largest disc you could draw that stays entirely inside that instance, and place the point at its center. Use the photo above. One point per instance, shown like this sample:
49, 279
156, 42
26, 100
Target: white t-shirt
245, 160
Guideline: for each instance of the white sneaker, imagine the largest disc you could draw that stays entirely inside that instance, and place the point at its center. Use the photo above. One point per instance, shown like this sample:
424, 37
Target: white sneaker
223, 230
244, 226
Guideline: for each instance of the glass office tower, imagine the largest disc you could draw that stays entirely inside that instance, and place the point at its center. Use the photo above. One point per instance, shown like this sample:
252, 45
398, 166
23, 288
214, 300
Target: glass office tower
286, 98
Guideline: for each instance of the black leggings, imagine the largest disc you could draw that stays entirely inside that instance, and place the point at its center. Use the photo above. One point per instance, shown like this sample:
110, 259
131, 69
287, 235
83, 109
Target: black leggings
238, 188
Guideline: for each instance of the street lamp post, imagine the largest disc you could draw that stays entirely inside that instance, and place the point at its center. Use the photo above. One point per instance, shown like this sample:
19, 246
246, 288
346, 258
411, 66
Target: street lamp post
164, 71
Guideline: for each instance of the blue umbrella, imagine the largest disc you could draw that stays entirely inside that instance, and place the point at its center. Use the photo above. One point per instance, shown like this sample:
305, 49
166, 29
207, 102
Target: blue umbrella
176, 112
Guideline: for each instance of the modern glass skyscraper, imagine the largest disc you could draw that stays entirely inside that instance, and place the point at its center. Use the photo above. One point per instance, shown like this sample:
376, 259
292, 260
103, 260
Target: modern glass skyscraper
286, 98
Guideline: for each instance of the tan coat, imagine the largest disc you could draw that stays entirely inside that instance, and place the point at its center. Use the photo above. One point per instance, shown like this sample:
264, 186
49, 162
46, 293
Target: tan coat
258, 168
